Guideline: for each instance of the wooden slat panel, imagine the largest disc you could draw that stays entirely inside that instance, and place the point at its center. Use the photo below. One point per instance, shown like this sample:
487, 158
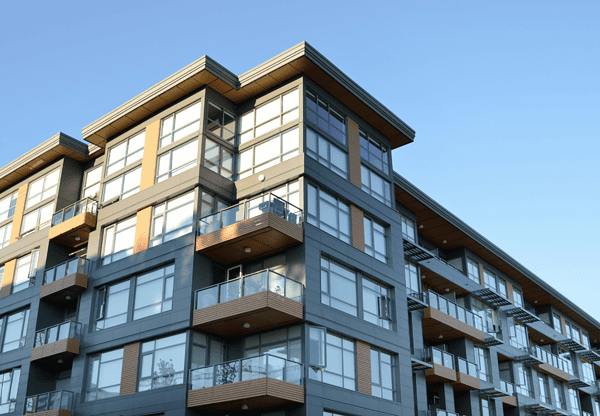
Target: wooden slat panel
142, 229
439, 374
509, 292
76, 283
68, 346
354, 153
466, 382
149, 159
7, 279
18, 216
438, 323
554, 372
85, 220
481, 277
358, 227
363, 367
510, 401
131, 356
56, 412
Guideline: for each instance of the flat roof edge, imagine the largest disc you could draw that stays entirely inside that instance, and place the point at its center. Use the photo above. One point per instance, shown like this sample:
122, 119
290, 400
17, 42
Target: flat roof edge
488, 245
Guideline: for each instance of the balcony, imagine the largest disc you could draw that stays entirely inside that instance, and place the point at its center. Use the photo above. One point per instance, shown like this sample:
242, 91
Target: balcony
511, 394
591, 354
490, 296
71, 226
522, 314
57, 343
443, 370
467, 375
573, 345
260, 383
64, 282
255, 302
415, 300
440, 412
56, 403
256, 227
451, 321
547, 363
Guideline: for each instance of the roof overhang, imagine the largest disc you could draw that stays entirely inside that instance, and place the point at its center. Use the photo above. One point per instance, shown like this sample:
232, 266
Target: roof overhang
439, 224
300, 59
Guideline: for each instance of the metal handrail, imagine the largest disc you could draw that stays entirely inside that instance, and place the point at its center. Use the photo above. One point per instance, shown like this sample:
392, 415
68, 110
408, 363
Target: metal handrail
551, 359
467, 367
64, 269
64, 330
507, 387
440, 412
248, 285
248, 209
265, 365
449, 307
437, 356
54, 400
84, 205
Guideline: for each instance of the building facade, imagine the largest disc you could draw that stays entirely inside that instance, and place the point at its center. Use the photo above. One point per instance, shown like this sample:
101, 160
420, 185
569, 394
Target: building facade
228, 245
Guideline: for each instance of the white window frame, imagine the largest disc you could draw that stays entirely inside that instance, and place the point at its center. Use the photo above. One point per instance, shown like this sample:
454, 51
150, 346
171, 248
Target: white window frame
5, 232
47, 190
218, 166
170, 132
25, 271
110, 236
7, 206
130, 156
373, 231
168, 158
91, 189
46, 209
160, 214
124, 193
322, 150
343, 229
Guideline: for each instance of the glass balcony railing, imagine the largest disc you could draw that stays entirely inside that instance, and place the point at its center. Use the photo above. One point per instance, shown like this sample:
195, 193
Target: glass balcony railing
467, 367
265, 365
507, 387
551, 359
69, 267
448, 307
437, 356
440, 412
61, 399
85, 205
69, 329
250, 209
249, 285
522, 389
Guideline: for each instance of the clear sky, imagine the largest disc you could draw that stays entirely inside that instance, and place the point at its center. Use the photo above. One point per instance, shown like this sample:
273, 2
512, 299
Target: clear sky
504, 96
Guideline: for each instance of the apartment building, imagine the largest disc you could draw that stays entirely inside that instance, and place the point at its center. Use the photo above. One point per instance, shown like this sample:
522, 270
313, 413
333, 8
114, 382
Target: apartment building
242, 245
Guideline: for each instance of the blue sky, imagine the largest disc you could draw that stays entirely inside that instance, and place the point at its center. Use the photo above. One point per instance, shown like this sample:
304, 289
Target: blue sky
504, 96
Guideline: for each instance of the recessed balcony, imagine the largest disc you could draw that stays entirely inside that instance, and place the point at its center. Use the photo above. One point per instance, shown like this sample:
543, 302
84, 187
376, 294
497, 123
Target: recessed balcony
444, 319
443, 369
56, 403
255, 302
257, 227
253, 384
64, 282
71, 226
467, 375
57, 344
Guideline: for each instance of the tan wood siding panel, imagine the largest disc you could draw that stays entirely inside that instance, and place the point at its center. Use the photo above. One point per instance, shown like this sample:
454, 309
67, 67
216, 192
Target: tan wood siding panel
509, 292
466, 382
363, 367
75, 283
129, 372
510, 401
84, 220
7, 279
68, 346
481, 278
439, 374
56, 412
554, 372
563, 325
354, 153
358, 227
19, 210
438, 323
150, 151
142, 229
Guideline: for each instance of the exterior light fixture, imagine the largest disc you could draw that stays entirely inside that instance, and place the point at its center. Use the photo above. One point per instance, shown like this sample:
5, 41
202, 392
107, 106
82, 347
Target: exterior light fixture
247, 250
261, 177
60, 361
535, 301
447, 289
244, 407
246, 325
444, 241
68, 297
440, 336
77, 238
423, 276
421, 226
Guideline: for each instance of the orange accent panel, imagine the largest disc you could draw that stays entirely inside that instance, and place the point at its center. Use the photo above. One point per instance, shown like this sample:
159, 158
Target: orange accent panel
7, 279
358, 227
509, 292
149, 159
510, 401
563, 325
19, 209
354, 154
142, 229
129, 370
481, 278
363, 367
63, 348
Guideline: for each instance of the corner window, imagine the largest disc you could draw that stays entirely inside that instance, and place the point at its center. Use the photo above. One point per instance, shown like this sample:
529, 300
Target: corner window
323, 115
269, 116
329, 214
218, 159
37, 219
5, 232
7, 206
25, 271
118, 241
126, 153
154, 292
123, 186
408, 229
179, 125
220, 122
377, 304
290, 192
42, 189
104, 375
9, 387
317, 355
326, 153
473, 271
268, 153
172, 219
374, 153
375, 240
338, 287
383, 379
15, 332
177, 161
162, 363
376, 186
559, 395
210, 204
483, 361
340, 367
112, 303
92, 182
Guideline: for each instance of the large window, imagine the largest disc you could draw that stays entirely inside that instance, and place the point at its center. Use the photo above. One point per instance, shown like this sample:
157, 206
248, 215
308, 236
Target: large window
518, 297
92, 182
283, 343
126, 153
374, 153
377, 304
383, 380
9, 387
269, 116
321, 114
340, 362
473, 271
220, 122
123, 186
525, 381
206, 351
112, 303
483, 360
544, 388
177, 160
5, 232
518, 335
162, 363
7, 206
326, 153
487, 407
329, 214
411, 275
25, 271
172, 219
210, 204
37, 219
118, 241
268, 153
179, 125
338, 287
559, 395
15, 330
574, 399
218, 159
104, 375
154, 292
587, 372
376, 186
408, 229
42, 189
375, 240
